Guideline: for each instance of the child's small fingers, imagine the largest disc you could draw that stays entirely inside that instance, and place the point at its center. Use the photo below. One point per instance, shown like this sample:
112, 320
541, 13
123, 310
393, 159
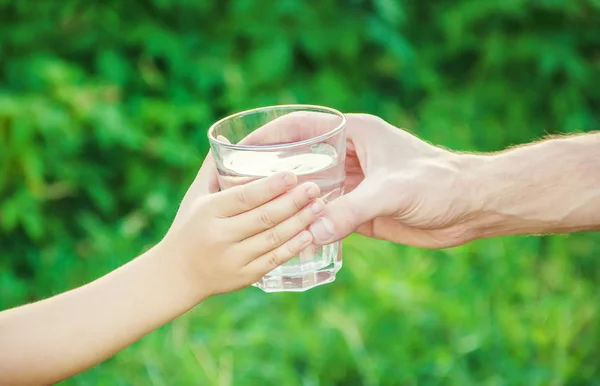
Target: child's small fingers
242, 198
274, 237
280, 255
274, 212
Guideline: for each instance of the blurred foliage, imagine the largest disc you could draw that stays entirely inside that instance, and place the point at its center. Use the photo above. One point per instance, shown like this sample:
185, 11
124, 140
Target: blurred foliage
104, 108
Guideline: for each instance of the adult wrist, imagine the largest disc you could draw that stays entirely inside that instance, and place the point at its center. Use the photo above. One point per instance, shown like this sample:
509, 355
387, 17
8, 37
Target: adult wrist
477, 193
497, 204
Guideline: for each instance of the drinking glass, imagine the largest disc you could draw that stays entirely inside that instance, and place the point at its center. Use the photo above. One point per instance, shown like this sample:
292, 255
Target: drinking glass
309, 141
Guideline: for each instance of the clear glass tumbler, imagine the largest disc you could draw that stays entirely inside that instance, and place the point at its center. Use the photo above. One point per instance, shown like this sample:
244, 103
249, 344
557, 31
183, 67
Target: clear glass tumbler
309, 141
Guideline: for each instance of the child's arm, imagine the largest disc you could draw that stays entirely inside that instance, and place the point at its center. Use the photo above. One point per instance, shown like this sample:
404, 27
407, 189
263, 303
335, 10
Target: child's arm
218, 243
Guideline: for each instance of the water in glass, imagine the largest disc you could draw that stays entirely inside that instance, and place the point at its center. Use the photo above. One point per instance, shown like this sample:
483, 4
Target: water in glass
318, 163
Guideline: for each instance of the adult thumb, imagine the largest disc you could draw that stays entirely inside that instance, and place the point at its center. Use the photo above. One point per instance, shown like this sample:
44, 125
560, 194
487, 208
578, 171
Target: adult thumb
346, 213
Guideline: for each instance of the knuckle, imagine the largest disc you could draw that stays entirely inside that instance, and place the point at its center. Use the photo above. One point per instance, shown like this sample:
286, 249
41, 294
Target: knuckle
195, 205
367, 119
242, 196
265, 219
273, 186
374, 119
217, 232
304, 218
274, 237
290, 248
273, 259
298, 116
298, 203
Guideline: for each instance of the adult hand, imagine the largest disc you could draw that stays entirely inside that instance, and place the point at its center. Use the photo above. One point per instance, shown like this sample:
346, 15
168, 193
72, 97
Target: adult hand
402, 189
398, 188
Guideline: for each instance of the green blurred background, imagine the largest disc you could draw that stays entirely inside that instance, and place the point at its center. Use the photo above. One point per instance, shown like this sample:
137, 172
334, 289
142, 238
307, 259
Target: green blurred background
104, 108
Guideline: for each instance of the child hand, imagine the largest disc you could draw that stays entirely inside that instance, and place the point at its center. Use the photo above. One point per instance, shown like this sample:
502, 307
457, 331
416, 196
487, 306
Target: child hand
218, 243
228, 240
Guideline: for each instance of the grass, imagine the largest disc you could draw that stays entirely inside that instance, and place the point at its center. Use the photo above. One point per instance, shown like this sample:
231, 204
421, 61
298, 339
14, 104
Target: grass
103, 115
506, 311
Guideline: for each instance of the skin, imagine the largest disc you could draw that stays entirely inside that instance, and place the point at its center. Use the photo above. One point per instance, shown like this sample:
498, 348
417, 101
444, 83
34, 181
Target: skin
417, 194
218, 242
425, 196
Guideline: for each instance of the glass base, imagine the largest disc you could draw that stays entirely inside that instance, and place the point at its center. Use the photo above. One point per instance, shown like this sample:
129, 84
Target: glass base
300, 280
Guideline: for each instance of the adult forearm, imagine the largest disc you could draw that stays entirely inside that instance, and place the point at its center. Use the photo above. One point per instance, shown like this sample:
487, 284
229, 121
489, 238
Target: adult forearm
547, 187
53, 339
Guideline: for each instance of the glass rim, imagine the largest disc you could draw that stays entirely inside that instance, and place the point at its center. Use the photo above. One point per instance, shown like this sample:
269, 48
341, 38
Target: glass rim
298, 107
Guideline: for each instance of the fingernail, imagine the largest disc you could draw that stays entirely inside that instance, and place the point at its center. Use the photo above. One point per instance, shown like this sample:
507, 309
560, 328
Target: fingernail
317, 206
322, 229
312, 191
288, 179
